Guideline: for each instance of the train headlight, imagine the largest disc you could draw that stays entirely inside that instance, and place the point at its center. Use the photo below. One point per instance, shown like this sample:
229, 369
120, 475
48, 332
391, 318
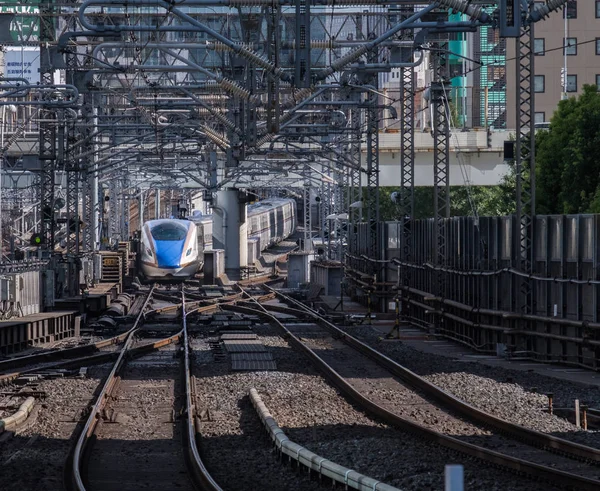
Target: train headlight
189, 251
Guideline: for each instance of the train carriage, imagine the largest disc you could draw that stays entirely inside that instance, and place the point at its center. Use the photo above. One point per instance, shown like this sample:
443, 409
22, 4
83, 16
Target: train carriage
173, 250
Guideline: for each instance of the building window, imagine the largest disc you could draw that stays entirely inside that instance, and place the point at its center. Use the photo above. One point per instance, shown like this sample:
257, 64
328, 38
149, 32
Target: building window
597, 9
572, 9
539, 46
571, 83
493, 36
539, 117
539, 83
598, 82
598, 46
570, 46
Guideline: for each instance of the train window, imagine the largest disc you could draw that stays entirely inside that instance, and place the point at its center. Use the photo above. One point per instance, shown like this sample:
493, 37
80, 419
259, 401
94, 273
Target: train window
169, 231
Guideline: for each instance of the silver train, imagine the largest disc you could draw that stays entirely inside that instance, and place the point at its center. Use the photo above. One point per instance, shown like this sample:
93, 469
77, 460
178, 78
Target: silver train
168, 250
173, 250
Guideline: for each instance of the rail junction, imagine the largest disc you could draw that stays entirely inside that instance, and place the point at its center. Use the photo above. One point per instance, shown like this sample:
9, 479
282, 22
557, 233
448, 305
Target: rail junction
311, 350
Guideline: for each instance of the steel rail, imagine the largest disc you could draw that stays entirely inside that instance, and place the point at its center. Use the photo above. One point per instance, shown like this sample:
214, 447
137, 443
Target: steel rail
75, 479
199, 473
195, 464
61, 354
95, 359
213, 303
532, 469
231, 300
521, 433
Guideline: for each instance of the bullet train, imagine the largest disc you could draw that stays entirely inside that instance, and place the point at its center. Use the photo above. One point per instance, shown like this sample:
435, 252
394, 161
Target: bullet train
168, 250
173, 250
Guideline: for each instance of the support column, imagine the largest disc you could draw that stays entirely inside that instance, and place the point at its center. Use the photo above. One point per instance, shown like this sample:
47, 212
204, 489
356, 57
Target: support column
307, 246
47, 132
141, 206
524, 231
372, 198
157, 204
406, 200
354, 184
125, 211
114, 222
303, 62
87, 117
230, 231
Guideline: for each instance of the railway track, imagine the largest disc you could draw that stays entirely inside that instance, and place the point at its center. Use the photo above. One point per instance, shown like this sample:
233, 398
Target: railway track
41, 360
233, 439
348, 363
103, 350
132, 437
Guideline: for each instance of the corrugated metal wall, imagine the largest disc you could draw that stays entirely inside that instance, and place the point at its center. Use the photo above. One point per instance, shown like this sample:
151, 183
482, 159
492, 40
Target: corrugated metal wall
476, 296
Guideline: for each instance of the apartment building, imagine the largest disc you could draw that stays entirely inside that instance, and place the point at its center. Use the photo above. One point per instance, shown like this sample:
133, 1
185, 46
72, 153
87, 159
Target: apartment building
568, 39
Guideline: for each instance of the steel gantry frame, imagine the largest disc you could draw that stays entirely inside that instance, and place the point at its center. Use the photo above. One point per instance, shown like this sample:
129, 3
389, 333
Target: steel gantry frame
72, 168
87, 177
372, 169
525, 161
406, 197
161, 81
354, 189
47, 127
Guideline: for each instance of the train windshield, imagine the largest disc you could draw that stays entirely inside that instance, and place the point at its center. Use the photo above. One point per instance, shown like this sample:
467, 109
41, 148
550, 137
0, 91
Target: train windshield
169, 231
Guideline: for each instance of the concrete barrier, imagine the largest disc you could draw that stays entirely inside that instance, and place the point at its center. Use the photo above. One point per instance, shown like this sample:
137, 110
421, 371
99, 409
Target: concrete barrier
337, 473
20, 416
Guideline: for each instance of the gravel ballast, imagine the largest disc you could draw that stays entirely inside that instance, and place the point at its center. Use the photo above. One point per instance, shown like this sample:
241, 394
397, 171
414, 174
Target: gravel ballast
505, 393
34, 459
313, 414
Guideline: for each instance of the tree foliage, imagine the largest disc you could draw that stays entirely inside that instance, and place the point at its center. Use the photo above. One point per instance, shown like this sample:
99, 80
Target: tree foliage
567, 170
568, 157
486, 200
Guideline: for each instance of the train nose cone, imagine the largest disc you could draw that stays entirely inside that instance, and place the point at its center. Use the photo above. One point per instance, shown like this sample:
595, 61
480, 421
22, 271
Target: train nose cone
168, 254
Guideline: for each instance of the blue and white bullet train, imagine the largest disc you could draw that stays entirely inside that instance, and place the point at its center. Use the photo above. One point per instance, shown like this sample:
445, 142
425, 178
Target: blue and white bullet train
173, 250
169, 250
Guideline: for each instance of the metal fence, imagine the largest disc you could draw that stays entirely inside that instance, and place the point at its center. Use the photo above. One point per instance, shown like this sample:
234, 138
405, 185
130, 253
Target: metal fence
476, 296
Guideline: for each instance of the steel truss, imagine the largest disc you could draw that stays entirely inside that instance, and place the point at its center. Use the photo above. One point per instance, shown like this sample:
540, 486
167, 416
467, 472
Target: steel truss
441, 162
257, 83
524, 230
86, 166
406, 197
525, 152
372, 170
47, 127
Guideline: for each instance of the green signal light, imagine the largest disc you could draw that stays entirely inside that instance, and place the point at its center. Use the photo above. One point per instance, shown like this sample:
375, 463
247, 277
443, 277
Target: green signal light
38, 240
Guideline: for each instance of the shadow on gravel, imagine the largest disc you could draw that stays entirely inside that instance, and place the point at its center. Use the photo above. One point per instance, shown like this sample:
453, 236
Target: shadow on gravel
243, 458
394, 456
32, 462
